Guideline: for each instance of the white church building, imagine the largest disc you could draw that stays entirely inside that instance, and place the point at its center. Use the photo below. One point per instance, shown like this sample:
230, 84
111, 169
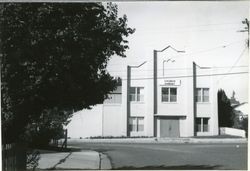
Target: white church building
172, 97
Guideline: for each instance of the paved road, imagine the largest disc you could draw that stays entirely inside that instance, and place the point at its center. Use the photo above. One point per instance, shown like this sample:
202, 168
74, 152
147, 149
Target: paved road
172, 156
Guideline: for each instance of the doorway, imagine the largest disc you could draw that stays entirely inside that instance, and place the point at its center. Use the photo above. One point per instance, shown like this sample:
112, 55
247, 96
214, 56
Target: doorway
169, 127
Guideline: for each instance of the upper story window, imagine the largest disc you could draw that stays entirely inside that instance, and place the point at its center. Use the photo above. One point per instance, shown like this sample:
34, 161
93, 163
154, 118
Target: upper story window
169, 94
202, 94
137, 94
114, 98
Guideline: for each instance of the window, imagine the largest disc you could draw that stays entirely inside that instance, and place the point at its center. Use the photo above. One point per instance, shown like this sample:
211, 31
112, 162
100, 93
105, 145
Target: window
198, 95
202, 95
168, 94
132, 124
205, 94
140, 124
205, 124
202, 124
114, 98
173, 94
136, 124
137, 94
198, 124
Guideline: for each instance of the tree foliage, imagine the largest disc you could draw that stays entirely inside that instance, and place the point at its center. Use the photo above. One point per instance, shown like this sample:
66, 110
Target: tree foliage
225, 111
54, 59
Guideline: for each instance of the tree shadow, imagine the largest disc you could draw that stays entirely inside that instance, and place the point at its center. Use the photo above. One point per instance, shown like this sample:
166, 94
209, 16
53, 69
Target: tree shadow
163, 167
53, 149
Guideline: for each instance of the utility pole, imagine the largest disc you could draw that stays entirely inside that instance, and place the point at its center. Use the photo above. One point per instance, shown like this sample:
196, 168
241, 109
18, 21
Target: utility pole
246, 29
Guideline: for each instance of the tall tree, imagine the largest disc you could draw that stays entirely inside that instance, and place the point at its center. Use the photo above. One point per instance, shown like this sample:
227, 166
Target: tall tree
54, 58
225, 111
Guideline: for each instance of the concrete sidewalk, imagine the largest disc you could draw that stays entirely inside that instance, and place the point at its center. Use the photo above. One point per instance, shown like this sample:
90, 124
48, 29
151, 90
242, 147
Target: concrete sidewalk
82, 160
160, 140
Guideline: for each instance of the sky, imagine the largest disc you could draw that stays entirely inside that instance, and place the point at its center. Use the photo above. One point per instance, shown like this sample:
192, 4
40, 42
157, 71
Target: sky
208, 32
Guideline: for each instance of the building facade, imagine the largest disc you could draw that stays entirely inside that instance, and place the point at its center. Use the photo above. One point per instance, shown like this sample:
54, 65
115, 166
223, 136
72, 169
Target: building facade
163, 97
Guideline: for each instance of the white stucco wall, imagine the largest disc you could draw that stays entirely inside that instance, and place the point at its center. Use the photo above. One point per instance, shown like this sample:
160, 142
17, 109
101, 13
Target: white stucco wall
86, 123
173, 108
208, 109
138, 109
112, 120
142, 108
215, 121
232, 131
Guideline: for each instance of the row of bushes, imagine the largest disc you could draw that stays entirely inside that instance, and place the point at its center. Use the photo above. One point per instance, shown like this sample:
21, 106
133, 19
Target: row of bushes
117, 137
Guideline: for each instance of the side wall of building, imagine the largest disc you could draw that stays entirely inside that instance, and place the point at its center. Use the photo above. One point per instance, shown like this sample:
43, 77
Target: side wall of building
113, 122
208, 109
86, 123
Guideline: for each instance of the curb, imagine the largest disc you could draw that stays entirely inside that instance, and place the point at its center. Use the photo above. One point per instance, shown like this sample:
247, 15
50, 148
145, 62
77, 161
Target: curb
163, 140
104, 163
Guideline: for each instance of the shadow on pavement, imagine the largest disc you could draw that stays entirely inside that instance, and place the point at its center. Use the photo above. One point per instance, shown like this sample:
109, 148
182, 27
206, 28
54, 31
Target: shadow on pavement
51, 149
61, 161
163, 167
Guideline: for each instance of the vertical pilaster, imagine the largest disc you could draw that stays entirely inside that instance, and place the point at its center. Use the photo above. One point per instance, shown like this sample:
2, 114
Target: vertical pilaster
194, 97
128, 97
155, 92
155, 82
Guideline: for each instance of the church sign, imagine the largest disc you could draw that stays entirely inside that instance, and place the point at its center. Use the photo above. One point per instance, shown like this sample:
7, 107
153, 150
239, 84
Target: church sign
168, 82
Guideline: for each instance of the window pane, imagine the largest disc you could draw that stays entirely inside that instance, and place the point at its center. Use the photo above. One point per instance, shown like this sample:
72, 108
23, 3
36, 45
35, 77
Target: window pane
133, 128
205, 124
164, 94
198, 95
173, 98
141, 90
138, 90
132, 94
164, 90
173, 91
132, 90
114, 98
164, 98
132, 97
198, 124
140, 124
132, 121
140, 94
132, 124
136, 94
118, 98
140, 97
205, 95
173, 94
140, 128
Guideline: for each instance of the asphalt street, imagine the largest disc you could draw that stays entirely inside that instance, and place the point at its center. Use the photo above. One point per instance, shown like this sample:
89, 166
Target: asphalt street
172, 156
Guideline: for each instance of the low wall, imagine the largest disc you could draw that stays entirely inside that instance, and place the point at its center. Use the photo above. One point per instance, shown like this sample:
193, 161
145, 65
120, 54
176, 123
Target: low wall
232, 131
